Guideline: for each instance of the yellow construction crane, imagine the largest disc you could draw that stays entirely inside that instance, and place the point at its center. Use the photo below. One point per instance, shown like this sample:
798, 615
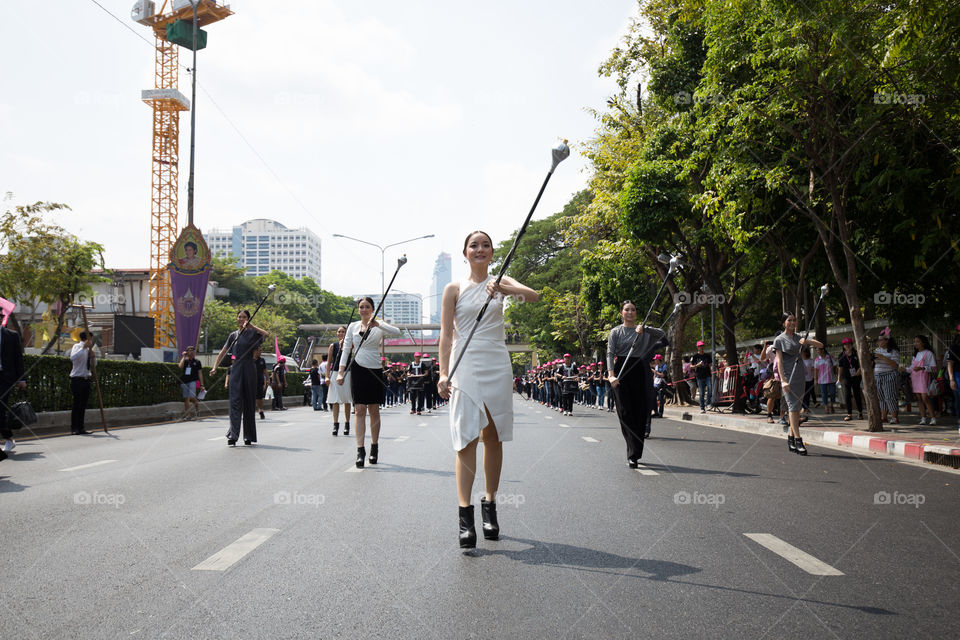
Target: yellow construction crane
167, 103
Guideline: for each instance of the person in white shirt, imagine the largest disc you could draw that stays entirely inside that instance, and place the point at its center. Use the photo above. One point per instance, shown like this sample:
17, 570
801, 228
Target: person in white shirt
83, 359
368, 387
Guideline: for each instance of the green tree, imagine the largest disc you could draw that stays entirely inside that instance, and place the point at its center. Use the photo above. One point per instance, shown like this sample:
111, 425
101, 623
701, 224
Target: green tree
40, 261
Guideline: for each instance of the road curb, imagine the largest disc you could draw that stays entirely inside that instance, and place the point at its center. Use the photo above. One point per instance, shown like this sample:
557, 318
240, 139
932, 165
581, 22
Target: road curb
914, 451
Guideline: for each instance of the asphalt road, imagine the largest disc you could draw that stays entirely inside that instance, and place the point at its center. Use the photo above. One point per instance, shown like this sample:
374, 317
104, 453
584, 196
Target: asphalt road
164, 531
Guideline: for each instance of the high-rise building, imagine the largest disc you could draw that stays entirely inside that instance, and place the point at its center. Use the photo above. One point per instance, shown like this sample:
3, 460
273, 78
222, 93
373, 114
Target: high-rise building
442, 275
400, 308
262, 245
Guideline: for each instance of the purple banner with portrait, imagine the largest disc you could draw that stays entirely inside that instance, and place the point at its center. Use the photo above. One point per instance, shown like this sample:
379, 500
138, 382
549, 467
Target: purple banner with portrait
189, 273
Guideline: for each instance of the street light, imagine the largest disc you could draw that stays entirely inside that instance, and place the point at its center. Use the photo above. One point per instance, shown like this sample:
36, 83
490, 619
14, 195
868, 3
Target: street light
383, 307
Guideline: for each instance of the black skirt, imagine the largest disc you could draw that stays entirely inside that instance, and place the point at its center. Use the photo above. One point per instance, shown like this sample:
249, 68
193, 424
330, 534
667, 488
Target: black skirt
367, 385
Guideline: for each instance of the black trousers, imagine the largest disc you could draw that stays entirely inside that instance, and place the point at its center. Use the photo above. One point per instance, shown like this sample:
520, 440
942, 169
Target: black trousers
5, 431
852, 391
633, 404
243, 400
566, 402
80, 388
416, 399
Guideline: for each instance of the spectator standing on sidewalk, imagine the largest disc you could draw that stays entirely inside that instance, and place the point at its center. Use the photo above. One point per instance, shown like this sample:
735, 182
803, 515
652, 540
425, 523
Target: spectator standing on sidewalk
339, 394
809, 375
953, 372
83, 360
787, 346
886, 372
316, 385
701, 364
850, 375
190, 374
922, 368
279, 383
261, 377
825, 366
11, 375
324, 380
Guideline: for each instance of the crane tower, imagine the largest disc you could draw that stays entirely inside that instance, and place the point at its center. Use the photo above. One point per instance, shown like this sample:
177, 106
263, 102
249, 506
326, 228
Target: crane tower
167, 102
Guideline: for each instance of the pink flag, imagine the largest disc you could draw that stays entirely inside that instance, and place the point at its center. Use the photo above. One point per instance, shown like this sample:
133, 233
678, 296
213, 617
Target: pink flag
7, 308
276, 347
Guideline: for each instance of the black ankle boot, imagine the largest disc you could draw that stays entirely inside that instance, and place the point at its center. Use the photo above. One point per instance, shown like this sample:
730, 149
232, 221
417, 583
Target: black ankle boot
374, 450
488, 511
336, 427
346, 428
802, 450
468, 534
361, 454
791, 444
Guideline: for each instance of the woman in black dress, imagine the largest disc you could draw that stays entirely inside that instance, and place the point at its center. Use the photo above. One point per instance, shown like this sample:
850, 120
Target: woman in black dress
634, 394
243, 378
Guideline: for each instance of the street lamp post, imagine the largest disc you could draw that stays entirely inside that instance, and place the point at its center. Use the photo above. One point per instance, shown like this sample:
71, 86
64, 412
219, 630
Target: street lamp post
383, 307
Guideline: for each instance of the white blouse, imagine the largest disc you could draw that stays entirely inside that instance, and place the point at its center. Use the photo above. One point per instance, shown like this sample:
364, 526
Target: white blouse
369, 354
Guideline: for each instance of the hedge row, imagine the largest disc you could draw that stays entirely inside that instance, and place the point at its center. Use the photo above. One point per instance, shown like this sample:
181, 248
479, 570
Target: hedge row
124, 383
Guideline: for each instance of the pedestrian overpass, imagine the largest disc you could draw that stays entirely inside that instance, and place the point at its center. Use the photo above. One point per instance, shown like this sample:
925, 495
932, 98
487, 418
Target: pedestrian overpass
411, 339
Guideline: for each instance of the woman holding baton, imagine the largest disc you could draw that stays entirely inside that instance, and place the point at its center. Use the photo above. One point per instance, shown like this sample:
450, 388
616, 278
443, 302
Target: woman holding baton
243, 378
629, 348
788, 346
367, 387
481, 390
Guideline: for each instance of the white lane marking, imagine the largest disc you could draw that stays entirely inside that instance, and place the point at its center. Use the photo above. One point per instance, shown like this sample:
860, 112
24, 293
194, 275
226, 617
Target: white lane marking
798, 557
548, 417
401, 438
589, 439
217, 438
354, 469
234, 552
565, 426
87, 466
646, 472
422, 424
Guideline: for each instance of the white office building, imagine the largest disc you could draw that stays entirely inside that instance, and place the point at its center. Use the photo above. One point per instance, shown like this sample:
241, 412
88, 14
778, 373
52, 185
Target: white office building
262, 245
400, 308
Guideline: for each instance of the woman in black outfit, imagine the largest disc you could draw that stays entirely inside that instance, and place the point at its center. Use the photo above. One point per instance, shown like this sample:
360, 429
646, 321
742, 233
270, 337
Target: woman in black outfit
243, 378
633, 394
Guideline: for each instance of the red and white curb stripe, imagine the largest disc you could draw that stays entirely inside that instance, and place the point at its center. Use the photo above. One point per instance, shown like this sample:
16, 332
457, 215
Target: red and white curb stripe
899, 448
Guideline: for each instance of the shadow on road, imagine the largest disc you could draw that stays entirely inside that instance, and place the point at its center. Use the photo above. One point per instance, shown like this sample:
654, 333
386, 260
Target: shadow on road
566, 555
414, 470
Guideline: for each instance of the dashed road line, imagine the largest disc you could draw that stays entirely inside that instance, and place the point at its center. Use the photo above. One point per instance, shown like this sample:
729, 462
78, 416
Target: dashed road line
646, 472
564, 425
589, 439
354, 469
234, 552
401, 438
88, 466
797, 556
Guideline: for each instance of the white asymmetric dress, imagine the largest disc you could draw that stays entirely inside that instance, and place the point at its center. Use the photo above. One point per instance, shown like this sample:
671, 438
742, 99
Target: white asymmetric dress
485, 375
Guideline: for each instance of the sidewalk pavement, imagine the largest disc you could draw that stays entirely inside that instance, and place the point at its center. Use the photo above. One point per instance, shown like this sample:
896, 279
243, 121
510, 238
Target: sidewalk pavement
935, 444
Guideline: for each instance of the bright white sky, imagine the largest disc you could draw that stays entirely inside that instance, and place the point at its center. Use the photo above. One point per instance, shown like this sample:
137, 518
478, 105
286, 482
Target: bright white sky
378, 119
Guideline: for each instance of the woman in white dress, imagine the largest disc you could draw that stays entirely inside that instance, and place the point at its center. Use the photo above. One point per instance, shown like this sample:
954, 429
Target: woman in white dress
339, 393
481, 390
367, 384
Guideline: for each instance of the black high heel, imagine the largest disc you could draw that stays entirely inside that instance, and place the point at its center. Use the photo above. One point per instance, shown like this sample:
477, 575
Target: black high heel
468, 534
361, 454
346, 428
488, 512
802, 450
336, 427
231, 442
374, 450
792, 444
